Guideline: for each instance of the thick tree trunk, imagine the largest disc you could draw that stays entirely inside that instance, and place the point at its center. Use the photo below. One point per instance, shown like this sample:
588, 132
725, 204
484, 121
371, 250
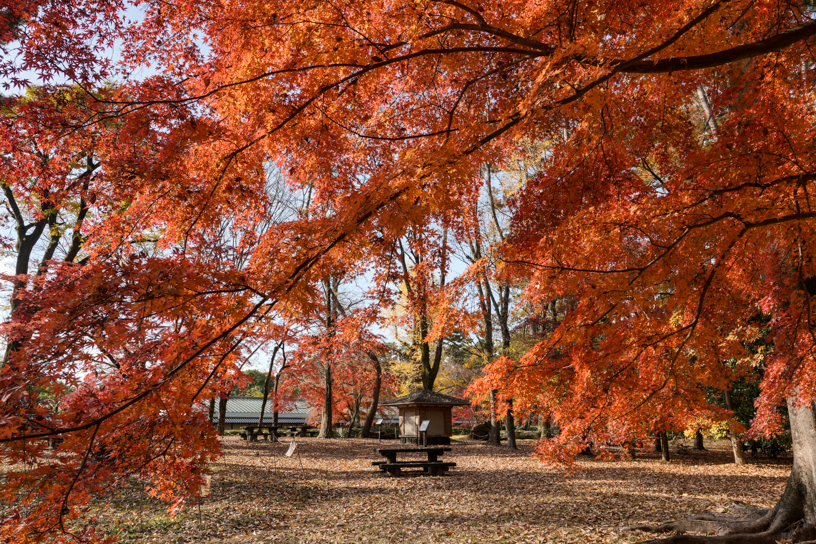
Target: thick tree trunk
355, 414
543, 427
326, 421
736, 449
510, 424
222, 414
792, 520
799, 498
698, 440
736, 445
664, 446
430, 365
211, 412
375, 398
494, 438
263, 404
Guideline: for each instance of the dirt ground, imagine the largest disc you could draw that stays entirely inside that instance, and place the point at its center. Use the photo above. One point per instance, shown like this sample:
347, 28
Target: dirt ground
331, 493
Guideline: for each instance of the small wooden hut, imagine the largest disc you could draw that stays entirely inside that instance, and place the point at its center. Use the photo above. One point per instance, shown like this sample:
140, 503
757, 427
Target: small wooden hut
424, 405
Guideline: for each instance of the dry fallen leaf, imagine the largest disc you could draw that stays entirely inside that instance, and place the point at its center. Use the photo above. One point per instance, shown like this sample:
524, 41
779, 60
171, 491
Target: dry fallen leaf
493, 495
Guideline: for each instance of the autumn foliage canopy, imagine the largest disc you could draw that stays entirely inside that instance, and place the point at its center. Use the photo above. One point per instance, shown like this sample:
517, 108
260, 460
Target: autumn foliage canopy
671, 203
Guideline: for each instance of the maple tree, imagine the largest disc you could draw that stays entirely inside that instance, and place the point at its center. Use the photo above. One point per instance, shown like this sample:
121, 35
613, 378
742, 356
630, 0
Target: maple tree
493, 300
354, 359
422, 256
673, 203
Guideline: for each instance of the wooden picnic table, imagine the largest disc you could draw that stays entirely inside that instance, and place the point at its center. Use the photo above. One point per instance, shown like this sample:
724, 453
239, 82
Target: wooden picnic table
251, 435
431, 465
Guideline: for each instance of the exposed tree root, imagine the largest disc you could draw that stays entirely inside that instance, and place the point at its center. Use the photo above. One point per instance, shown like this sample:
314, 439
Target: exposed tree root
735, 508
744, 520
758, 538
792, 520
751, 526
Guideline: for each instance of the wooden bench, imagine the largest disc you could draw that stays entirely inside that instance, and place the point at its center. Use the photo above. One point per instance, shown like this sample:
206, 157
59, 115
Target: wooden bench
252, 435
433, 453
432, 468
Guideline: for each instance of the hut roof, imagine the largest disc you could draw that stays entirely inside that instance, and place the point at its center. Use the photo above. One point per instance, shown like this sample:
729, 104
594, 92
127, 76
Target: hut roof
423, 396
248, 409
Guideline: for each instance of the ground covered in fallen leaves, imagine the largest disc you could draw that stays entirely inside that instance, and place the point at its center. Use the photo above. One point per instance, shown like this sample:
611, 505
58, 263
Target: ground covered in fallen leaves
331, 493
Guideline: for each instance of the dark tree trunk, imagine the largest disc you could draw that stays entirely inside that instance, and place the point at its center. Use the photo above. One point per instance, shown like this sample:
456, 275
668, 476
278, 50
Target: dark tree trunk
275, 407
326, 424
494, 438
483, 288
698, 440
211, 413
658, 446
355, 414
375, 398
430, 366
543, 427
736, 444
222, 414
664, 446
267, 382
793, 519
326, 421
510, 424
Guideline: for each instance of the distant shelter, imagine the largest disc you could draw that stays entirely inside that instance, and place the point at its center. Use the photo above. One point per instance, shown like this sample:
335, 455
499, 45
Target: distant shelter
425, 406
243, 411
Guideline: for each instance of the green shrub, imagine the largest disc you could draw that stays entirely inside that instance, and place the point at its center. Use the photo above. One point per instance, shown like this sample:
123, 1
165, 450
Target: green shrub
772, 447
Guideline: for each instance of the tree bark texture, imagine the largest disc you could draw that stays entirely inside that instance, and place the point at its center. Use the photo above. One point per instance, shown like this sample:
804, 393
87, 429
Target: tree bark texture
736, 444
326, 421
543, 427
664, 447
510, 424
275, 409
375, 397
698, 440
494, 438
222, 414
